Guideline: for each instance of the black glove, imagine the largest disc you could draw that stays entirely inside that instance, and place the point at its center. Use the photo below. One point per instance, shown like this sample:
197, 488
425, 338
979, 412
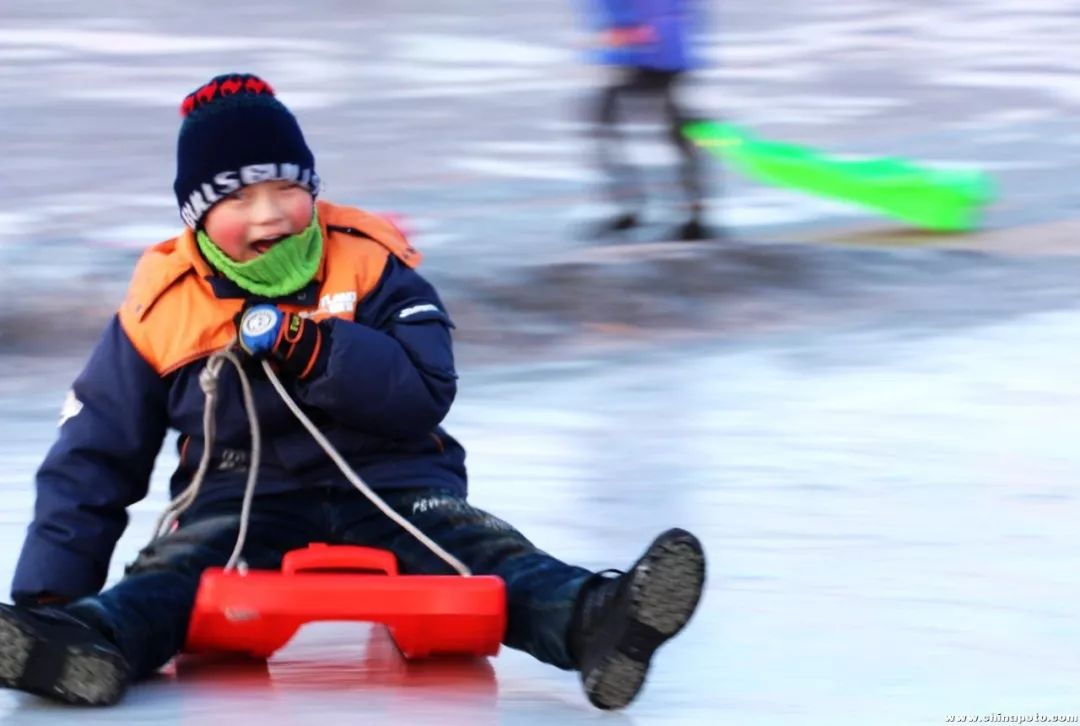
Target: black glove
289, 340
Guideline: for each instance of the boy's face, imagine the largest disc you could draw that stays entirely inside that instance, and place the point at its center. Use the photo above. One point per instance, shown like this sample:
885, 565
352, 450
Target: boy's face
252, 219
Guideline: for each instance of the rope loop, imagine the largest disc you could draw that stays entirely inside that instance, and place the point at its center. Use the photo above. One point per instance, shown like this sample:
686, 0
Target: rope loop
209, 378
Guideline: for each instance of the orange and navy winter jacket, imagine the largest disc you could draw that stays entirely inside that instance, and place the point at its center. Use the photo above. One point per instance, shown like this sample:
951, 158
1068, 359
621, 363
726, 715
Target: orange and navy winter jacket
378, 391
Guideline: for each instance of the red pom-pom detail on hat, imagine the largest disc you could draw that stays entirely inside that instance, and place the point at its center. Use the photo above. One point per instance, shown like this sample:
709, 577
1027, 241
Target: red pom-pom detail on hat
223, 86
254, 84
231, 86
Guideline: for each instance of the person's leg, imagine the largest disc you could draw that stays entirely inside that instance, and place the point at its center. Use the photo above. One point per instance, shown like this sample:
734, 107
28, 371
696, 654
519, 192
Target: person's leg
605, 625
541, 590
150, 608
691, 161
146, 614
622, 186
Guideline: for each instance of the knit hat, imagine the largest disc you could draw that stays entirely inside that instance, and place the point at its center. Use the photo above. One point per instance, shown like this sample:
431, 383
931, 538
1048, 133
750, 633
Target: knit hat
235, 133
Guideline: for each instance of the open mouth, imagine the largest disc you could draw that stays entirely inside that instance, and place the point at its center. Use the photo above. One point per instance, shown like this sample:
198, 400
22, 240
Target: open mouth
262, 245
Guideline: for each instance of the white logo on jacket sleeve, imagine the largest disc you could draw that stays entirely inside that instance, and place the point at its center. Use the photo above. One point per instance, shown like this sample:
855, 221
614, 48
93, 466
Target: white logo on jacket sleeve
71, 408
409, 312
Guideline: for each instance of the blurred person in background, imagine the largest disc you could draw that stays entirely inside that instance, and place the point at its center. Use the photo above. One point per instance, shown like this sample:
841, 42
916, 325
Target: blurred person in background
647, 45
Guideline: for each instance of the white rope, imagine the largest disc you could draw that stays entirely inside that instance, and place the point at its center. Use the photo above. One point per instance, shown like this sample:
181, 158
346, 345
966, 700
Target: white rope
357, 482
208, 380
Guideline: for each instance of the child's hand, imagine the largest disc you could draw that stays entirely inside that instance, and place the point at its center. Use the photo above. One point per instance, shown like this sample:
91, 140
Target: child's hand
291, 341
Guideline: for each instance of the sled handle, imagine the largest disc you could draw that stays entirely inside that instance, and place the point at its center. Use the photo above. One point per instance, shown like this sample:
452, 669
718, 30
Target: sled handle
339, 558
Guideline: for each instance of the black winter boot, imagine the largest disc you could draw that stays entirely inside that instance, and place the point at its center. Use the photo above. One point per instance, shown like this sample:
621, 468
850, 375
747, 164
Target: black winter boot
49, 652
694, 231
624, 222
621, 618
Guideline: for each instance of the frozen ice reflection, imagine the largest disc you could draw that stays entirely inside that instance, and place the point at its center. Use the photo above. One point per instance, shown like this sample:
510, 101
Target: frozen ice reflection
890, 519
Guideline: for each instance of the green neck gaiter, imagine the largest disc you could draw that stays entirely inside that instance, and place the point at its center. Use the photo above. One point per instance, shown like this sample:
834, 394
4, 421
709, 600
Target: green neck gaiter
281, 270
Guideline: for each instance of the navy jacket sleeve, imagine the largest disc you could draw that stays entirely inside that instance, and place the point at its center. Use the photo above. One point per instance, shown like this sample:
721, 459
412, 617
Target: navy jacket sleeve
111, 430
391, 372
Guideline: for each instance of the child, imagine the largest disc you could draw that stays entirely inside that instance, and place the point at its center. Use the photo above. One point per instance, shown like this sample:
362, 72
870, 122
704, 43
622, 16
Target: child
362, 342
647, 45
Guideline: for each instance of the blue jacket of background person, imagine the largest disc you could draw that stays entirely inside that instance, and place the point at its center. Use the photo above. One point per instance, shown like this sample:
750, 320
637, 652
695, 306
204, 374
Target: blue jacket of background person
669, 27
379, 394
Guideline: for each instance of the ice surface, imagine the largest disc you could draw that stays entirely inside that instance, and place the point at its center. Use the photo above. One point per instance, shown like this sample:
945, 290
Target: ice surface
891, 526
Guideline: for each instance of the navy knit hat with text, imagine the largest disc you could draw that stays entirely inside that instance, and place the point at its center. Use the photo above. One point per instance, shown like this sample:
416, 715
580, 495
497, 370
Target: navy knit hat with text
235, 133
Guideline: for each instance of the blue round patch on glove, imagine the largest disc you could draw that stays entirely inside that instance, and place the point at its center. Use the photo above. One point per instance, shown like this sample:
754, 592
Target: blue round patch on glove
259, 329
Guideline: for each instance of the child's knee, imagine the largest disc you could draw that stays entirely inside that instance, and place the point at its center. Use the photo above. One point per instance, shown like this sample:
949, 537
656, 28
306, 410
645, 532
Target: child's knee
456, 511
196, 546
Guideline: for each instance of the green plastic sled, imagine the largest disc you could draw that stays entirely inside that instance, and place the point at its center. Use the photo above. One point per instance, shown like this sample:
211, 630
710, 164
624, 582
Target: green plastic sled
938, 199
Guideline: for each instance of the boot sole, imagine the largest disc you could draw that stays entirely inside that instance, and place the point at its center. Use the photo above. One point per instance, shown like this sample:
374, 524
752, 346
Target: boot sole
86, 675
665, 590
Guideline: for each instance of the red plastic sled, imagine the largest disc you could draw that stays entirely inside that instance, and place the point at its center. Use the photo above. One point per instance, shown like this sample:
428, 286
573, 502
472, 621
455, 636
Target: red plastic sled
259, 611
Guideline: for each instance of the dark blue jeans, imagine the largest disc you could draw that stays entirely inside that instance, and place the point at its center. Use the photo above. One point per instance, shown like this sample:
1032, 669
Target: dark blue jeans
147, 612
